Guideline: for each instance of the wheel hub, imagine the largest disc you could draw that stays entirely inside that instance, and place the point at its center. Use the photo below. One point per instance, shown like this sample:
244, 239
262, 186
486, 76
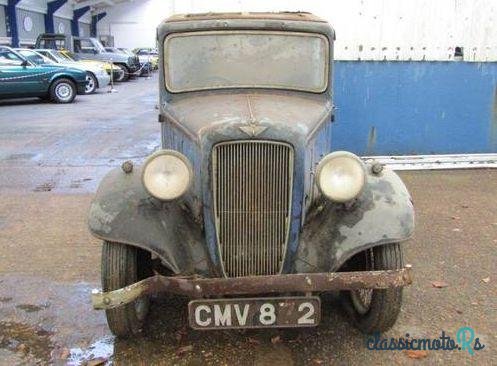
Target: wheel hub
90, 84
63, 91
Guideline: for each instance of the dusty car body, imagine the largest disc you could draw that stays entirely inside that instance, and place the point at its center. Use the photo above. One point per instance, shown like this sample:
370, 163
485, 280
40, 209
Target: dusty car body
246, 113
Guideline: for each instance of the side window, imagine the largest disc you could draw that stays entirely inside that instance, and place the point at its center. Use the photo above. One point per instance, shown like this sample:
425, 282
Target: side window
142, 52
33, 57
8, 58
87, 46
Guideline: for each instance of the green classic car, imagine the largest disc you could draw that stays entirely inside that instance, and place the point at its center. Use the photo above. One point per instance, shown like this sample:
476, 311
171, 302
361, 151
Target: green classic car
20, 77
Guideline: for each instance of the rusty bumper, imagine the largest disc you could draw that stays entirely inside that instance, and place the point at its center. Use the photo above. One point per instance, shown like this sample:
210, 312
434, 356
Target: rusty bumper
300, 282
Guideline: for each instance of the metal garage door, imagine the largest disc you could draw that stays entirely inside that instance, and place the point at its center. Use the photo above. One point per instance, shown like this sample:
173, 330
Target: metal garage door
84, 29
62, 25
3, 25
29, 25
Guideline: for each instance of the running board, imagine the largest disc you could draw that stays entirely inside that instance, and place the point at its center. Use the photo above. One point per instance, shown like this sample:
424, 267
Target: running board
429, 162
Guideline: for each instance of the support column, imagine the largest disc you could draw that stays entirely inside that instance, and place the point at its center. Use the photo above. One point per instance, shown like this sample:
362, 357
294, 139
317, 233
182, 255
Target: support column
94, 20
11, 20
78, 13
52, 7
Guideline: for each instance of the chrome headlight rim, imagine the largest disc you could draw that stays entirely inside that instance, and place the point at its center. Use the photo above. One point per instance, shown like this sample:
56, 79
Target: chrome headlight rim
175, 154
341, 154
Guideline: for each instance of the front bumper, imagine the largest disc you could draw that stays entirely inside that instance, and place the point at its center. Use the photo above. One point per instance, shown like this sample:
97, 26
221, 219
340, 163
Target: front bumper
195, 287
81, 87
103, 79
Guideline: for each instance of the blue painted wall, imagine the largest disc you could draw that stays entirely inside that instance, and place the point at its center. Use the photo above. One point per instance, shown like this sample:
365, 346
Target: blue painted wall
399, 108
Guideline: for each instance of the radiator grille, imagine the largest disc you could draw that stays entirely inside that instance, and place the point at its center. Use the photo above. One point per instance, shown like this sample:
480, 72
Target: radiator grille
252, 185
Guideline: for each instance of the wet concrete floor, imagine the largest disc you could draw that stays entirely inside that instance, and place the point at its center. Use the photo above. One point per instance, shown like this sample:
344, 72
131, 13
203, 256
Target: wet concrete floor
51, 159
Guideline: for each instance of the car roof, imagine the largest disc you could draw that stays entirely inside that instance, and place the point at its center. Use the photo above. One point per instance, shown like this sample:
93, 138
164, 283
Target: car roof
284, 15
283, 21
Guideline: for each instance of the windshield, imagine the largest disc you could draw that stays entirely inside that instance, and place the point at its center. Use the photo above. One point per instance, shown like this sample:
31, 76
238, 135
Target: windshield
53, 55
88, 45
9, 58
35, 57
246, 59
70, 56
59, 56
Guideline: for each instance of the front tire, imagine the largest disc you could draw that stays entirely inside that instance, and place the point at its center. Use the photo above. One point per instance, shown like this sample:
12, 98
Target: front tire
124, 74
91, 83
375, 310
123, 265
62, 91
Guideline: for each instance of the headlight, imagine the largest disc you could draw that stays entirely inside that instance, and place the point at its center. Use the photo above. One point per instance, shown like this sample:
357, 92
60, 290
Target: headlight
341, 176
167, 174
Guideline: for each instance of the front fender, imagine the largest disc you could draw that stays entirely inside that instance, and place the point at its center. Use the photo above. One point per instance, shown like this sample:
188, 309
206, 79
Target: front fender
333, 233
122, 211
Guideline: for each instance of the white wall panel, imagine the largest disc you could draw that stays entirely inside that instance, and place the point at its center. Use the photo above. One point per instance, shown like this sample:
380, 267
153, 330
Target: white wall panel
86, 18
62, 25
39, 6
65, 11
29, 25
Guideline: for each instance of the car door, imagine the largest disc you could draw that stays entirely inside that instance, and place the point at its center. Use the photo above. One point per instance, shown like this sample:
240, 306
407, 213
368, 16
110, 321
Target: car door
39, 70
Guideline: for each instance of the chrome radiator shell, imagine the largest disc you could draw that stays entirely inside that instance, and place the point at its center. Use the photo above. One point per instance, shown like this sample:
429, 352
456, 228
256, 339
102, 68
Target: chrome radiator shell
252, 184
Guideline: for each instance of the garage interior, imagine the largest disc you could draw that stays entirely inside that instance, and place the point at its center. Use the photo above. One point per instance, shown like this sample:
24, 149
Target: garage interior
423, 102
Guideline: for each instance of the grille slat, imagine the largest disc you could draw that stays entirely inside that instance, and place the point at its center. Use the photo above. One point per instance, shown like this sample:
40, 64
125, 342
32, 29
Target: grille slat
252, 186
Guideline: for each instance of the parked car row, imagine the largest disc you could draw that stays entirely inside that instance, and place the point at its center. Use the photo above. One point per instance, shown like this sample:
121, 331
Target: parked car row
89, 48
59, 75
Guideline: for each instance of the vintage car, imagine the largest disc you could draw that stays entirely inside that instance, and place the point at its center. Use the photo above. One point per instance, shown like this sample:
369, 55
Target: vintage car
96, 75
247, 209
89, 48
32, 76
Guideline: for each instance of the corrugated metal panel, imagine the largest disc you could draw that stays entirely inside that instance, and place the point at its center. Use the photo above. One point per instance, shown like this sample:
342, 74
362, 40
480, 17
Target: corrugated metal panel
62, 25
84, 29
65, 11
407, 108
3, 24
390, 30
29, 25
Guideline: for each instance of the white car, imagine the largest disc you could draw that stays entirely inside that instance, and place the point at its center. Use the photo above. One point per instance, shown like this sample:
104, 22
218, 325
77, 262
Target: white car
96, 76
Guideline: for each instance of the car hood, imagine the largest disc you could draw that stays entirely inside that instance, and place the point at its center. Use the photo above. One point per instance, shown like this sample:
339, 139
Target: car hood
83, 67
72, 70
253, 114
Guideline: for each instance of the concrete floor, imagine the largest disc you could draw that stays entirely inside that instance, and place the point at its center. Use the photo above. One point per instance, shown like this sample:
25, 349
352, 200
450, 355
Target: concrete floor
51, 159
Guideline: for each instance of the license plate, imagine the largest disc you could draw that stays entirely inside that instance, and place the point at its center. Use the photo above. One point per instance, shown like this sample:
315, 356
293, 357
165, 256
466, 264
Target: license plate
272, 312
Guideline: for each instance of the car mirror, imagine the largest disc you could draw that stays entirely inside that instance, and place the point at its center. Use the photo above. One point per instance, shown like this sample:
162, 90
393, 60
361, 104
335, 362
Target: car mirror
24, 63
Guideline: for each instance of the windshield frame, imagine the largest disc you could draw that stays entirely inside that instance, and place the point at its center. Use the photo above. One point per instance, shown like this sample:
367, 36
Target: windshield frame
327, 54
